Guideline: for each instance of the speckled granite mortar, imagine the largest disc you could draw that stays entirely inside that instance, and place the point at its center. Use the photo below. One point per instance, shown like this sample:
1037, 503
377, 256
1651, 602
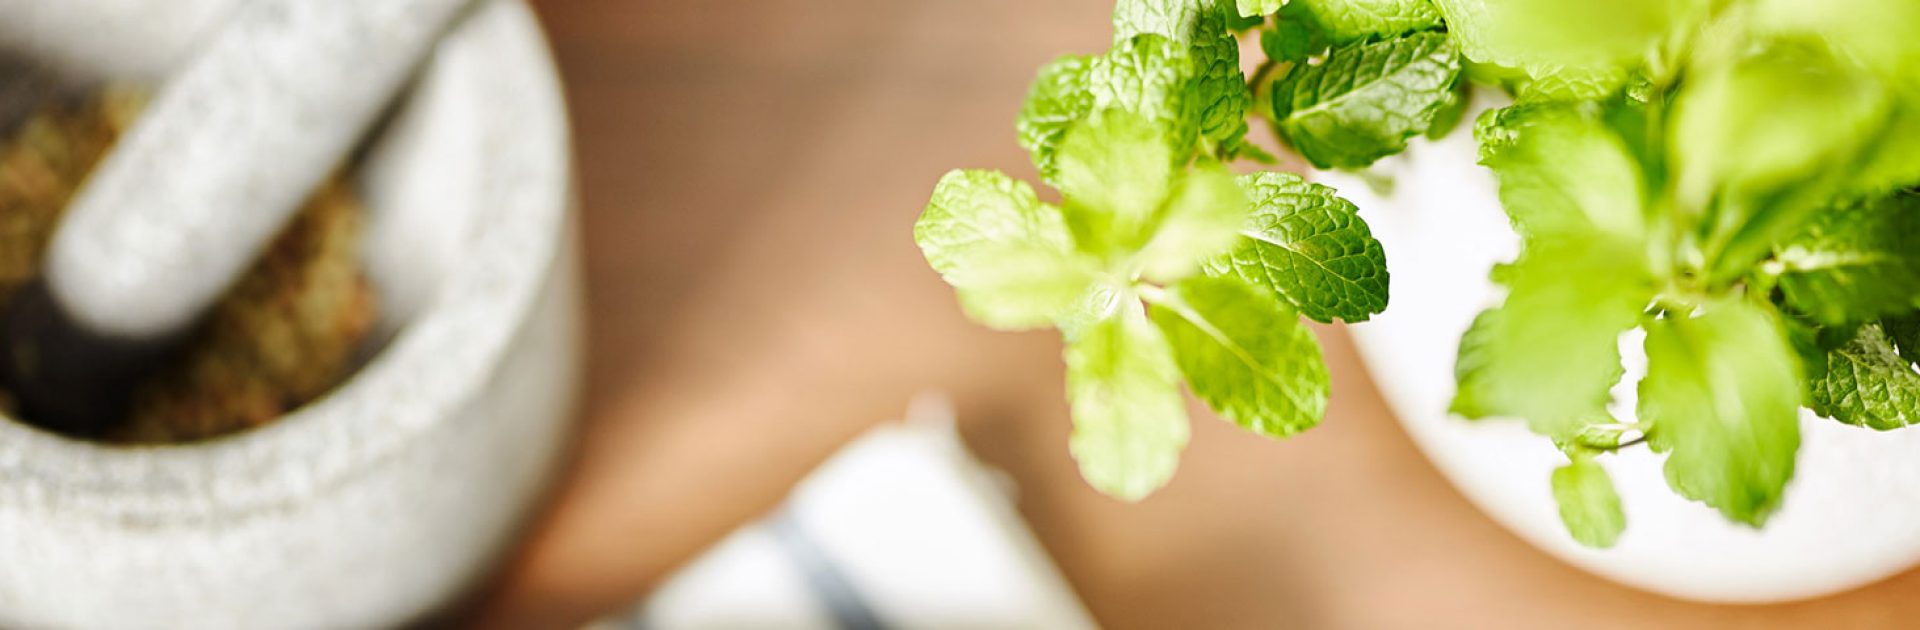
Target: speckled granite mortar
383, 500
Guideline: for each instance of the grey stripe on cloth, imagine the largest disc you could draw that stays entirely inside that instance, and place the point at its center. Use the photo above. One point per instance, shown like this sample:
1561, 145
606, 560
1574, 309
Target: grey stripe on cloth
823, 576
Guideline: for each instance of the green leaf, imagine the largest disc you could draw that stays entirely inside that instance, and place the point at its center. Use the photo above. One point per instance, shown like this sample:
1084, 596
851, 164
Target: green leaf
1021, 288
1588, 504
1771, 120
1571, 84
1309, 246
1366, 99
1867, 383
1152, 77
1256, 8
1546, 37
1348, 20
1245, 353
1812, 342
1855, 262
1178, 64
1177, 20
1603, 436
1550, 352
1905, 333
1057, 100
1221, 96
1448, 117
1802, 123
1878, 33
1210, 97
1562, 171
1295, 36
1202, 220
1009, 255
1129, 420
1166, 18
1722, 394
1116, 170
1892, 159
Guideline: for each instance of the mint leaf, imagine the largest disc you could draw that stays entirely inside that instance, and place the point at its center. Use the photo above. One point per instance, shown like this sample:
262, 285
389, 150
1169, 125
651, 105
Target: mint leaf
1130, 204
1546, 37
1867, 383
1009, 255
1550, 352
1570, 84
1310, 247
1722, 394
1177, 62
1172, 19
1202, 220
1366, 99
1129, 420
1878, 33
1798, 152
1588, 504
1257, 8
1771, 120
1057, 100
1892, 159
1451, 112
1855, 262
1813, 342
1561, 171
1905, 333
1115, 170
1348, 20
1295, 36
1018, 287
1221, 97
1245, 353
1152, 77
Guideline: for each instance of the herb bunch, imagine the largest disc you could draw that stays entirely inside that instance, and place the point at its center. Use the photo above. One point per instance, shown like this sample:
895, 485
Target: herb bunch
1731, 179
1159, 265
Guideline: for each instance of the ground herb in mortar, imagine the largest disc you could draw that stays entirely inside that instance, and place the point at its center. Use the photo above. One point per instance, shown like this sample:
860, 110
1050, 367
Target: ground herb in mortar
285, 333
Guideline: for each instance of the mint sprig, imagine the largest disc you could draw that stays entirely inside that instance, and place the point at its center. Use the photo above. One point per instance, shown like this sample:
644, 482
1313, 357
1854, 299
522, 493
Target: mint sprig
1138, 219
1158, 265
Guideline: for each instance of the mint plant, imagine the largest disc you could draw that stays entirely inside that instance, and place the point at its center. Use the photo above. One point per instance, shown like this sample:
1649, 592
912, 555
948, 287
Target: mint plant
1159, 265
1733, 179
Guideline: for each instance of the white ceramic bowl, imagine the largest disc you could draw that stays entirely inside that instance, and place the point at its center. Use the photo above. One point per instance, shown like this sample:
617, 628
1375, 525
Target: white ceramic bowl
382, 501
1848, 517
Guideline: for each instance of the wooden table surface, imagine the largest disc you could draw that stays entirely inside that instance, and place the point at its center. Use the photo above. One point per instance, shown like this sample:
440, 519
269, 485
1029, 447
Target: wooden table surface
751, 173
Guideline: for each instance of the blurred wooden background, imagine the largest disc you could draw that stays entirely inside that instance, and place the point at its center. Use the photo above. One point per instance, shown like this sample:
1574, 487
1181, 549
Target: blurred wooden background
751, 173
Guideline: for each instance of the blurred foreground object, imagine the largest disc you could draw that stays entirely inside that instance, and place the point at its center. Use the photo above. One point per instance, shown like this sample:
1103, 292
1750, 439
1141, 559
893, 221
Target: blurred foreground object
903, 528
128, 40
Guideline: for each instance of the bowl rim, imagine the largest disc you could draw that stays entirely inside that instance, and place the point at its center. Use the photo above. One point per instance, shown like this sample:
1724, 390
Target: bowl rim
422, 378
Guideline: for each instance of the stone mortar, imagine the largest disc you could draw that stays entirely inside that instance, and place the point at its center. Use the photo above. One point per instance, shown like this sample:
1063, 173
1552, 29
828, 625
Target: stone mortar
385, 500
